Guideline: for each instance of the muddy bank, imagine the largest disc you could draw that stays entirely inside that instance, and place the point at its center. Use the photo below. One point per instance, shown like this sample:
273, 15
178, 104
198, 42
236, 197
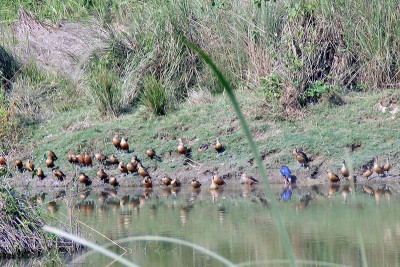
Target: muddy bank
203, 173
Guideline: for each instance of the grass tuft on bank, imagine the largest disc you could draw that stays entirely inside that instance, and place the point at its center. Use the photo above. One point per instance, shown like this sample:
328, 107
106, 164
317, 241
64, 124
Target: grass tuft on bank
21, 228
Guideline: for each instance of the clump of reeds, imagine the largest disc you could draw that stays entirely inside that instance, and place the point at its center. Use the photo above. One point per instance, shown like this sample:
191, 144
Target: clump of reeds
154, 96
21, 228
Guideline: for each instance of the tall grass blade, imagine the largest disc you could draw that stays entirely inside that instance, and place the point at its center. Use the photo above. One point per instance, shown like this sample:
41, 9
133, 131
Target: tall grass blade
362, 249
91, 245
359, 235
151, 238
253, 146
285, 262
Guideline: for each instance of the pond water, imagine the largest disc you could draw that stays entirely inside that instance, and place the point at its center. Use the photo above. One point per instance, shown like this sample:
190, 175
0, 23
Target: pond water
325, 223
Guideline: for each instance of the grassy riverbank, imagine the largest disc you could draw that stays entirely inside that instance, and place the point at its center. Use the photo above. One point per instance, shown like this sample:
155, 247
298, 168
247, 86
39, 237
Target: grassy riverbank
303, 79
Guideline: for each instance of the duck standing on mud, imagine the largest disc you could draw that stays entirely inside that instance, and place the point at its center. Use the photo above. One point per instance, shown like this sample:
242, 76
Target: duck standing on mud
151, 153
195, 183
181, 147
286, 172
387, 166
116, 142
333, 177
301, 157
218, 146
29, 166
124, 144
166, 180
344, 170
247, 179
18, 164
378, 169
367, 173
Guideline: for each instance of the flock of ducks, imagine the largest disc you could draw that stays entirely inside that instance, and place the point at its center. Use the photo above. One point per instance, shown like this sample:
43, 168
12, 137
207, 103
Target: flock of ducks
334, 178
135, 166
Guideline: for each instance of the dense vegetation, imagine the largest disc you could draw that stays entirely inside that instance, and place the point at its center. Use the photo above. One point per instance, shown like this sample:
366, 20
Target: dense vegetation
21, 228
282, 57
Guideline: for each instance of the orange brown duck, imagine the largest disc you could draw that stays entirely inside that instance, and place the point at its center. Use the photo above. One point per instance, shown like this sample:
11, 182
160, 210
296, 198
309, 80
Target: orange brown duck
29, 166
301, 157
247, 179
142, 171
18, 164
83, 178
131, 168
80, 158
387, 166
113, 181
166, 180
218, 146
88, 159
124, 145
333, 177
100, 157
3, 161
175, 183
113, 160
40, 173
150, 153
147, 182
217, 179
59, 174
51, 155
213, 185
135, 161
102, 174
50, 163
116, 142
122, 168
367, 173
72, 158
181, 147
344, 170
378, 169
195, 183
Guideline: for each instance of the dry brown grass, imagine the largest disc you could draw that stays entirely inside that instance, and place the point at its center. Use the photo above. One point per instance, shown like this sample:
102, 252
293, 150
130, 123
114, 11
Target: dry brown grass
56, 47
21, 228
199, 97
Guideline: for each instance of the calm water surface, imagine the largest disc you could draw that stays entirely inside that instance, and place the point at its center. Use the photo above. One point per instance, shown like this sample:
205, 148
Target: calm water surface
325, 223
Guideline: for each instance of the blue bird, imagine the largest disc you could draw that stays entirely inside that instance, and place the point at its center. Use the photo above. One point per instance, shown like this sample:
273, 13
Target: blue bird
287, 193
286, 173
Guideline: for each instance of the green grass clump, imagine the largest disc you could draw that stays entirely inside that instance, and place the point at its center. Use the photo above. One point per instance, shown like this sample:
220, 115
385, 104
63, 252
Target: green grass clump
154, 97
23, 228
104, 91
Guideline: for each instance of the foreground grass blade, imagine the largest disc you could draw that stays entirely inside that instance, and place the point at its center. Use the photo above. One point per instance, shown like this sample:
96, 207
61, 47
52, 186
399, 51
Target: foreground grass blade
284, 262
179, 242
142, 238
253, 146
91, 245
208, 252
362, 249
